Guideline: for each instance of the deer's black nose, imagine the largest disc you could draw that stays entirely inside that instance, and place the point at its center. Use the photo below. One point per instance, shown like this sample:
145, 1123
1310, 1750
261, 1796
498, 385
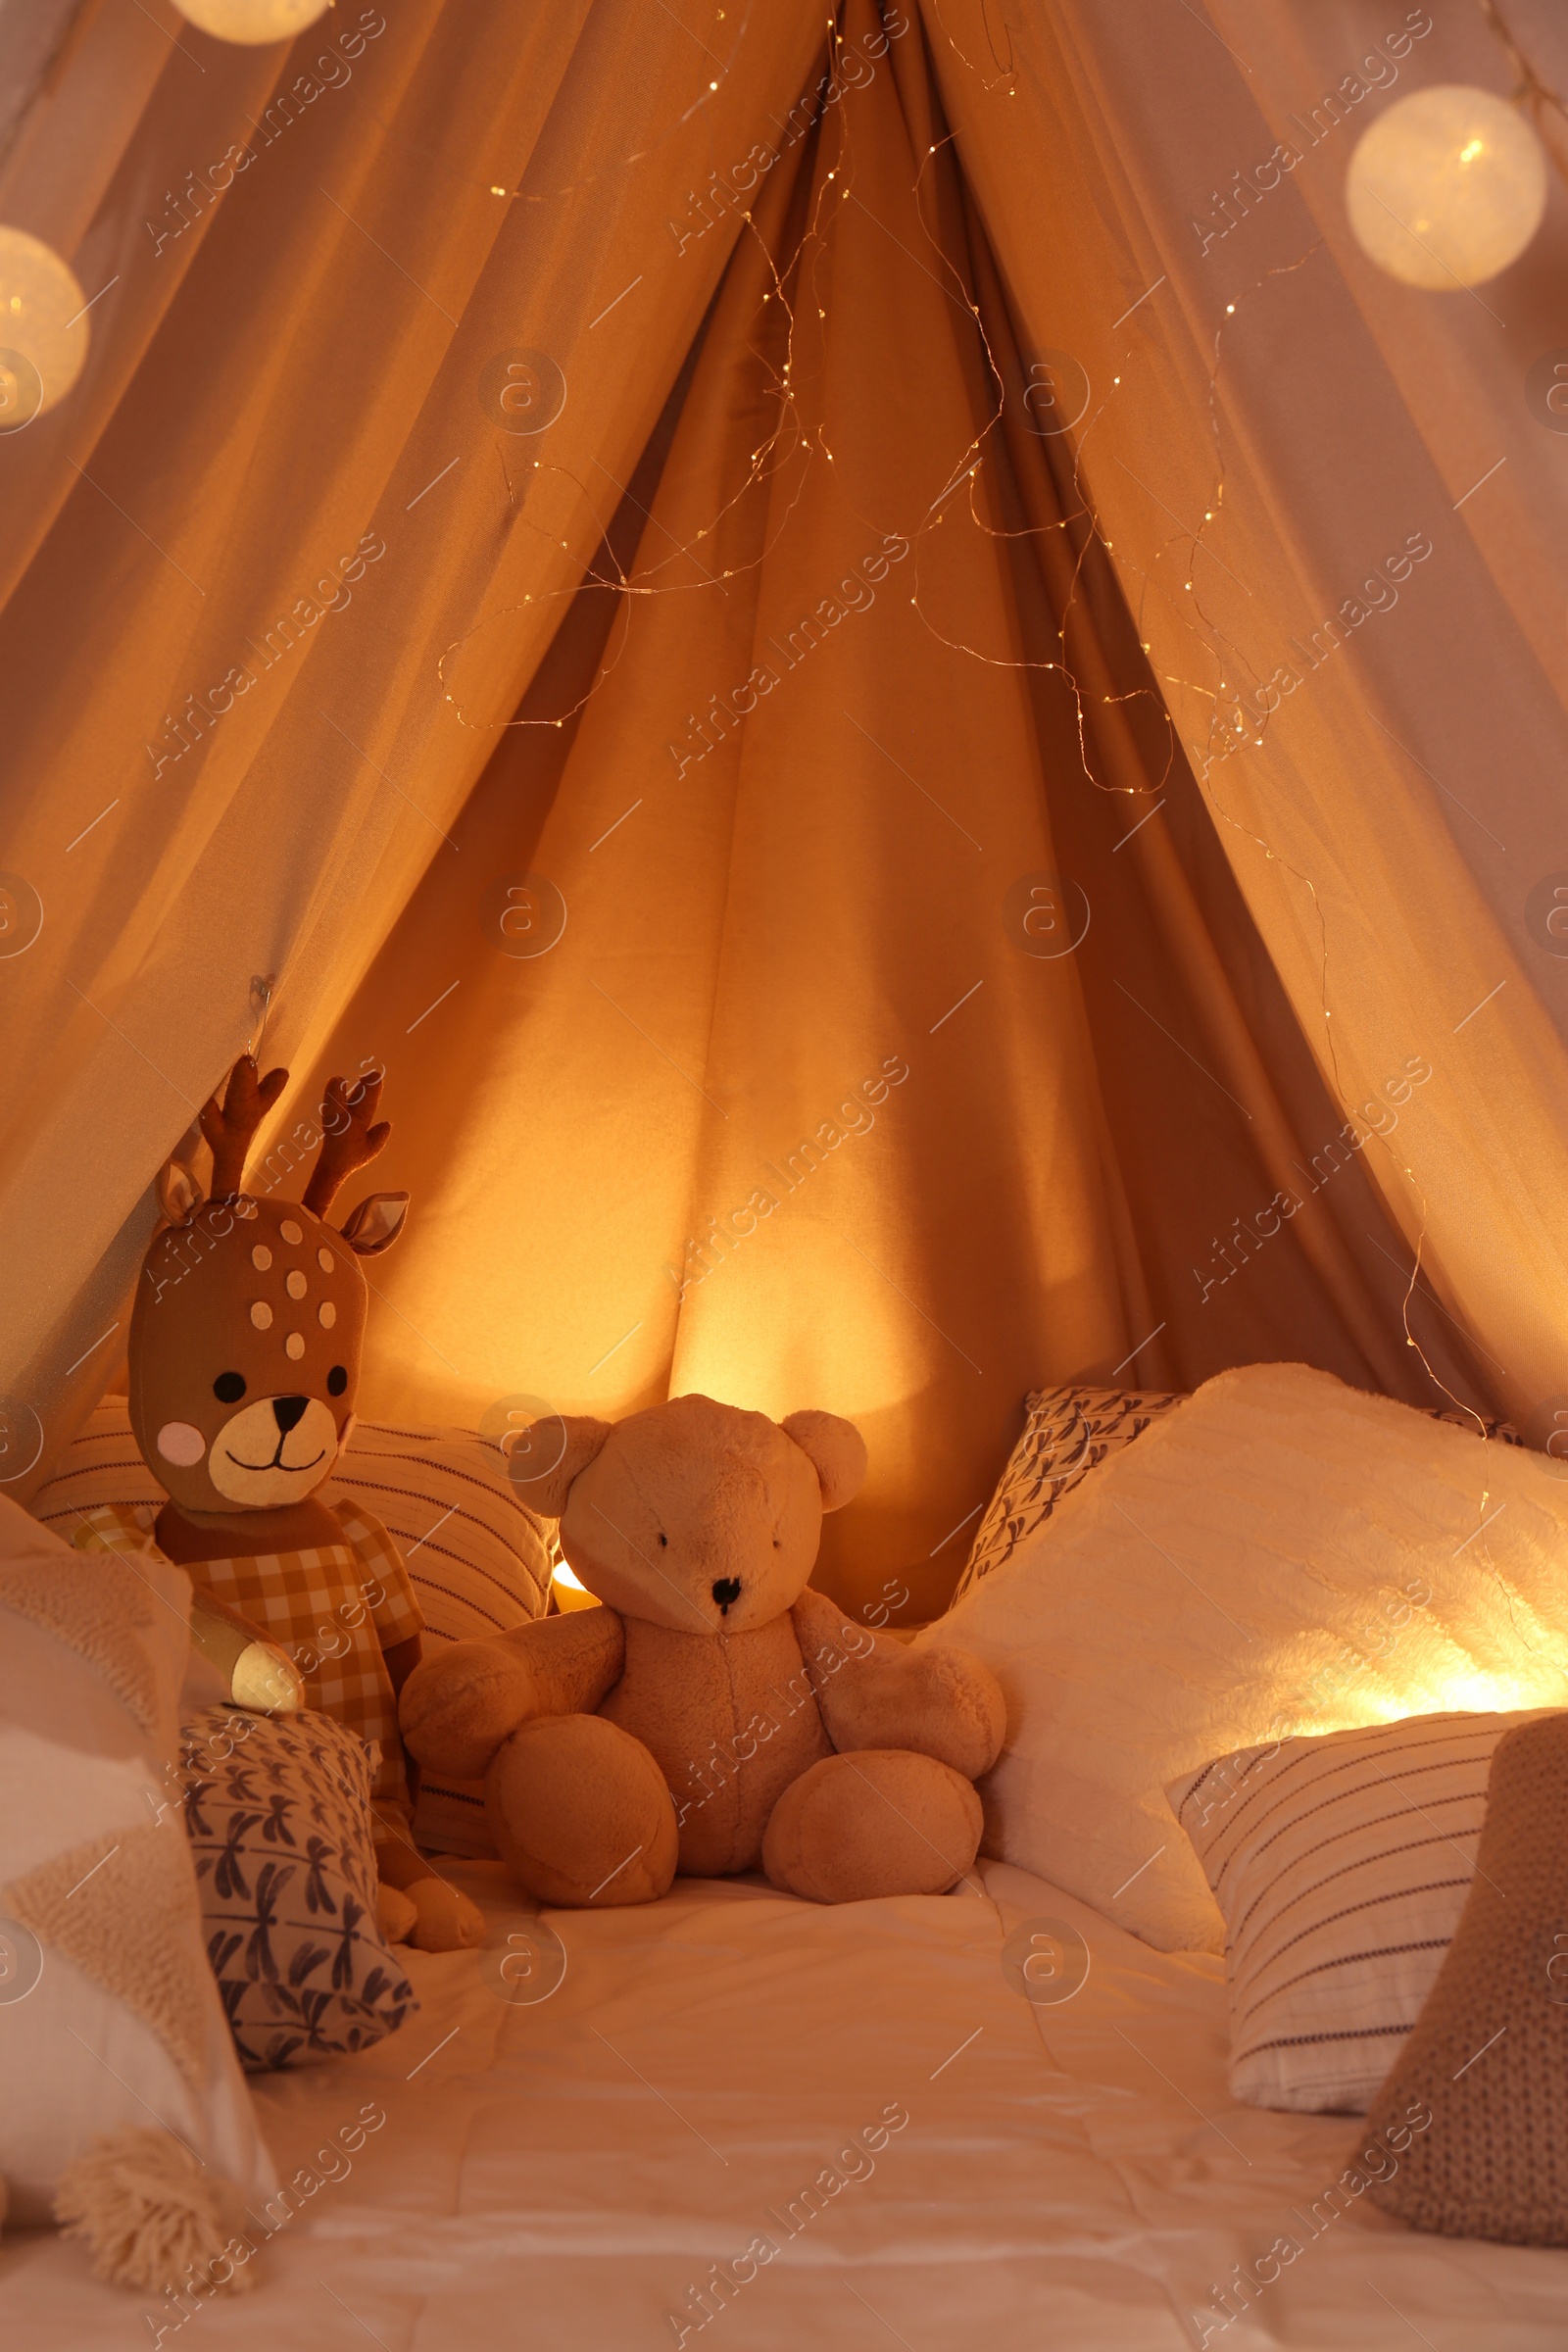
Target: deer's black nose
726, 1589
286, 1411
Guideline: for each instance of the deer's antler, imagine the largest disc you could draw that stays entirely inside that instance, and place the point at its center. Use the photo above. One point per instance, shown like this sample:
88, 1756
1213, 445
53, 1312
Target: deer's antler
231, 1126
349, 1142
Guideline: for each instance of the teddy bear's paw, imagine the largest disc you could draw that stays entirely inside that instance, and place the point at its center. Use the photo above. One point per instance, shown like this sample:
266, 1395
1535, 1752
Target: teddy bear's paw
937, 1700
395, 1914
877, 1823
457, 1708
581, 1814
447, 1922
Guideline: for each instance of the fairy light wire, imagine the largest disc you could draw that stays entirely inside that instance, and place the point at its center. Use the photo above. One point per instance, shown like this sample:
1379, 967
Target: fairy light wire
798, 279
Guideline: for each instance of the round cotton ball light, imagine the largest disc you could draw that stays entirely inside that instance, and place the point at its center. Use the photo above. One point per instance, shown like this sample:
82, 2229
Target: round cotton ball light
252, 22
1447, 187
43, 334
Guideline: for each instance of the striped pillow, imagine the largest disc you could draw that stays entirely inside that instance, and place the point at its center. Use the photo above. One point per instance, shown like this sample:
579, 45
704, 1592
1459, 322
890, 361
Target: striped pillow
1342, 1865
479, 1560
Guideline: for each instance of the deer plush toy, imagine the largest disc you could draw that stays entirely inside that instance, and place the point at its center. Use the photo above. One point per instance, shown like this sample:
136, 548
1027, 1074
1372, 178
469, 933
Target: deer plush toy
715, 1712
244, 1357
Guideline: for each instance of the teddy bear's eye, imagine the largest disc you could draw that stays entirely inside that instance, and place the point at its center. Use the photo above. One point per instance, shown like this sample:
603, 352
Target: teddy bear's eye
662, 1543
229, 1387
337, 1380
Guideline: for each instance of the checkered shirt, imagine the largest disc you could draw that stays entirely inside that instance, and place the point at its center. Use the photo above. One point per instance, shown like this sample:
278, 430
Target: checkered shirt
334, 1608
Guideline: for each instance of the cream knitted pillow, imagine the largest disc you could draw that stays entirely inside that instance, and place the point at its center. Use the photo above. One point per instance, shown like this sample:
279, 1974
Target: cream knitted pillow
1489, 2055
110, 2025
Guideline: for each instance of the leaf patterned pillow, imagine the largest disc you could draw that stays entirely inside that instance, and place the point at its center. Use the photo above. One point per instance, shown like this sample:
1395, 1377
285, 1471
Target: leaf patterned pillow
278, 1812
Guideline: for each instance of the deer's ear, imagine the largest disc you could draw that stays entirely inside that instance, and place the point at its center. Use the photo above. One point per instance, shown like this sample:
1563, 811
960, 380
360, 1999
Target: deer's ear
376, 1224
177, 1191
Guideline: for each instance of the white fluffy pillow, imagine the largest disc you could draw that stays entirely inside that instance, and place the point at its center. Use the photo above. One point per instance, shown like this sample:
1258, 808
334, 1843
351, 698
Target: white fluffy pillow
1278, 1555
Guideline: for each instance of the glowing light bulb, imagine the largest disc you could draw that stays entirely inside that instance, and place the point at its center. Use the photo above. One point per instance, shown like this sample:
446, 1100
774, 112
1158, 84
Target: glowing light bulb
252, 22
568, 1590
44, 331
1447, 187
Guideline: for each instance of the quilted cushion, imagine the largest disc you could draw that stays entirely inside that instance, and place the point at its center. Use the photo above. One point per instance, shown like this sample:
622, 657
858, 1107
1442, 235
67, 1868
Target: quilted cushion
278, 1814
1067, 1432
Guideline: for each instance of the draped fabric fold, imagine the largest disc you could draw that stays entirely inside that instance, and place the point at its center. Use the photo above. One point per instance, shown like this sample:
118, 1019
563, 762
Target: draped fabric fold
892, 1056
287, 479
768, 816
1329, 504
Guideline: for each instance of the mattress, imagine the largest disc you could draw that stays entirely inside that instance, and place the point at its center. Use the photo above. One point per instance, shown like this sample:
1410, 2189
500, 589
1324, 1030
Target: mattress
567, 2171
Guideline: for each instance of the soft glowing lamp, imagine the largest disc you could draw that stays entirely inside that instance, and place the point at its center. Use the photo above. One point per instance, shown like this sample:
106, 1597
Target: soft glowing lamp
1447, 187
43, 330
569, 1593
252, 22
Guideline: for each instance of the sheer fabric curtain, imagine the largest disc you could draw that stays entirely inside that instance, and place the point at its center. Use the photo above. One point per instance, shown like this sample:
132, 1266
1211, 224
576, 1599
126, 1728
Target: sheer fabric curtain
1275, 422
752, 815
226, 758
909, 1043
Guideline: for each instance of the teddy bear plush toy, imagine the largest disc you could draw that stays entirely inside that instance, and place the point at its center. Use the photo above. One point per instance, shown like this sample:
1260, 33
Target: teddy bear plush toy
713, 1714
244, 1355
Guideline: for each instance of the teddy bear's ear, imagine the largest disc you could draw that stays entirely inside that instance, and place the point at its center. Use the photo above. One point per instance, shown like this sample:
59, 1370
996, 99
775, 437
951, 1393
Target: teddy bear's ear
563, 1444
836, 1451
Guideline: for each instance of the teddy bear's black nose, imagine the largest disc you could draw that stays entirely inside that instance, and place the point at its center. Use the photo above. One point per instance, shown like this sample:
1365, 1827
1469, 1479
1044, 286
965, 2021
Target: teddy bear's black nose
726, 1589
287, 1410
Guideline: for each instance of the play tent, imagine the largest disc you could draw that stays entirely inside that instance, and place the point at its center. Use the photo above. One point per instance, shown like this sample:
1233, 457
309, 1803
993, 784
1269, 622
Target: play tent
922, 720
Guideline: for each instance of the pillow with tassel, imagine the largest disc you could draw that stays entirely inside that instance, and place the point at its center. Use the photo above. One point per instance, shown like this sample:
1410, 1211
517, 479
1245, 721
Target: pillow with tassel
126, 2116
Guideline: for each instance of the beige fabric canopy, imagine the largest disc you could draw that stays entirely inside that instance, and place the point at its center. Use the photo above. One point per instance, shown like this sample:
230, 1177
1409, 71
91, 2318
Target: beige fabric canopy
632, 565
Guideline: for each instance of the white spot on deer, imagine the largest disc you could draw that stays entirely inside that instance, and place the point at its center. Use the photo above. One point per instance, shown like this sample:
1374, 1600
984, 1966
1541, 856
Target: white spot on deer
295, 1285
291, 1232
327, 1314
294, 1345
260, 1257
325, 1259
262, 1315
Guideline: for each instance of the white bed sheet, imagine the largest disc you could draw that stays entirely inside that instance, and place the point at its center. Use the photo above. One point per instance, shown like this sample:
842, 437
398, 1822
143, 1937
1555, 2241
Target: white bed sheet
563, 2175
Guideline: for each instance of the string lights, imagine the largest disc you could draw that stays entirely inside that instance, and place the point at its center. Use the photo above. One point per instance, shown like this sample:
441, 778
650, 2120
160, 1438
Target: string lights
252, 22
1446, 187
1449, 187
43, 328
993, 491
787, 440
